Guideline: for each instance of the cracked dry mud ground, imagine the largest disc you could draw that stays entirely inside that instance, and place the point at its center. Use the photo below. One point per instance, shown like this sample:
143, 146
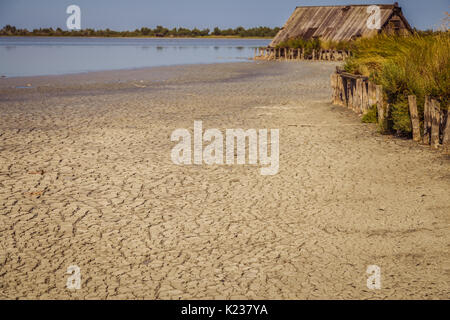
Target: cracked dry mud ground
86, 178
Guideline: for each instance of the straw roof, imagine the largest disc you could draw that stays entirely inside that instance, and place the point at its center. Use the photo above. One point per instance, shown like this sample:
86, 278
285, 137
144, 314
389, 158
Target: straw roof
337, 23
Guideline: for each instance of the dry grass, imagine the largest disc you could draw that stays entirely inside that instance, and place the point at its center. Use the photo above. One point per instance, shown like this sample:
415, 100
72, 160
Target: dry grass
417, 65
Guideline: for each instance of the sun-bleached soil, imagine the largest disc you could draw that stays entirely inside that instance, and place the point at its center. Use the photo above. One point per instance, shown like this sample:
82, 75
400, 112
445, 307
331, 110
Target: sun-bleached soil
86, 179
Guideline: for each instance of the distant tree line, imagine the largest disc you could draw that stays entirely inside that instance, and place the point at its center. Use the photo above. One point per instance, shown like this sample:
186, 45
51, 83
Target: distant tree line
159, 31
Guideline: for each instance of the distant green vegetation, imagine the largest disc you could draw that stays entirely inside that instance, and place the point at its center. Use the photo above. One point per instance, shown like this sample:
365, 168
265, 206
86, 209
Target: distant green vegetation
159, 31
416, 65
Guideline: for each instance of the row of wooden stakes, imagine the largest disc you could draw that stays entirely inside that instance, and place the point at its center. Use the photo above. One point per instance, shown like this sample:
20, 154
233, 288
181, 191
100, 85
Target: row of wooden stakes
300, 54
359, 94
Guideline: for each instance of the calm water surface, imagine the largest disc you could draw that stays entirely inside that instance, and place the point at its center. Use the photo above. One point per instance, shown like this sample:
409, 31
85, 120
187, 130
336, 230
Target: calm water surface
24, 56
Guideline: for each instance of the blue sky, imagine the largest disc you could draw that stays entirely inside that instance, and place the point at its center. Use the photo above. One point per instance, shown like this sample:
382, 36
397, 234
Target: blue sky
132, 14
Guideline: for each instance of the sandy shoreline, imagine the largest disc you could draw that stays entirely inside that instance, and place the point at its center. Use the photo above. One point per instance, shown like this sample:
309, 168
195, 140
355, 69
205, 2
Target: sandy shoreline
86, 178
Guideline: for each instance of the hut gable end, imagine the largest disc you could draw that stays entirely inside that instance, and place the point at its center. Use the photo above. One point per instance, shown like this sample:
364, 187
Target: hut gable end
340, 23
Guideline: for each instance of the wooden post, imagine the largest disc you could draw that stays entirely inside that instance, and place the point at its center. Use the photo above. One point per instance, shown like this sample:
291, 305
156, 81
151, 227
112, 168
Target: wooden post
339, 89
349, 93
340, 95
365, 97
346, 91
343, 98
446, 133
355, 96
426, 121
361, 95
314, 54
435, 123
415, 123
380, 104
358, 93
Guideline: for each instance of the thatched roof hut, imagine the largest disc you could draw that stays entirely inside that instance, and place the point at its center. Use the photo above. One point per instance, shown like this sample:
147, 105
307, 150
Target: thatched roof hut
340, 23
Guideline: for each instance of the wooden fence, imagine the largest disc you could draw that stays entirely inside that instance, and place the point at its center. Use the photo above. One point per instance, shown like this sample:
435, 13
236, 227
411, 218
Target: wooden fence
359, 94
300, 54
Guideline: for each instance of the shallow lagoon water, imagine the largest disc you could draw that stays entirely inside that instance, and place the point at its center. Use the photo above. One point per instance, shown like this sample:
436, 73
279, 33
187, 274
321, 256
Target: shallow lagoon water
34, 56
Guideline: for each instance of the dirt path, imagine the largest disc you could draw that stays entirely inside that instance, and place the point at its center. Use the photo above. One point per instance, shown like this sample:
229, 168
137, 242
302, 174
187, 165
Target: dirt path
86, 179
